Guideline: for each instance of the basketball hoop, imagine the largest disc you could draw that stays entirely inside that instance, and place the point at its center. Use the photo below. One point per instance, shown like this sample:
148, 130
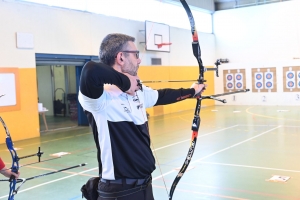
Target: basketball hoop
163, 44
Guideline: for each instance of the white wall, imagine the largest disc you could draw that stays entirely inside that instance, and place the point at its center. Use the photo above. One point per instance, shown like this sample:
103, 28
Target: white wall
63, 31
259, 37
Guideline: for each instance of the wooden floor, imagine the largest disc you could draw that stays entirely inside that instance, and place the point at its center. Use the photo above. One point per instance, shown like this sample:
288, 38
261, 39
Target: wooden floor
239, 149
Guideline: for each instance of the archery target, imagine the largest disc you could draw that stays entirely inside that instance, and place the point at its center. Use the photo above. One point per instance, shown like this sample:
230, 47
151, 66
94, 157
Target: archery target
269, 80
239, 77
229, 82
269, 84
290, 84
229, 86
290, 75
258, 76
290, 80
269, 75
229, 77
258, 80
239, 85
298, 79
258, 85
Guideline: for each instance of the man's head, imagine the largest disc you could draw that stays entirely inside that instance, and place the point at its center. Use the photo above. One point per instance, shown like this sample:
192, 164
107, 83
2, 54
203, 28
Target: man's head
119, 51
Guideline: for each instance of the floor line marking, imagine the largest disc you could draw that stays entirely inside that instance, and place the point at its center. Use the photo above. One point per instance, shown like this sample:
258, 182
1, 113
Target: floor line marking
234, 145
209, 155
63, 138
250, 166
46, 183
239, 190
190, 139
247, 110
170, 117
204, 193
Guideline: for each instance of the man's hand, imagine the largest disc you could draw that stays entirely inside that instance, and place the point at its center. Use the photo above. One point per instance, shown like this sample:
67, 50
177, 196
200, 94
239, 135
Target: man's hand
8, 173
199, 88
134, 85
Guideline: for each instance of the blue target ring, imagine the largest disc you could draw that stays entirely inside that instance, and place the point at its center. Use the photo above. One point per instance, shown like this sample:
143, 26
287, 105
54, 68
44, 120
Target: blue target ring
229, 77
229, 85
238, 77
258, 84
269, 84
239, 85
290, 75
258, 76
269, 76
291, 83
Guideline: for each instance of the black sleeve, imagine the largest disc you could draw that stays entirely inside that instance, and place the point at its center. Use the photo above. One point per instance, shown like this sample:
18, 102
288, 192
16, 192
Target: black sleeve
95, 75
168, 96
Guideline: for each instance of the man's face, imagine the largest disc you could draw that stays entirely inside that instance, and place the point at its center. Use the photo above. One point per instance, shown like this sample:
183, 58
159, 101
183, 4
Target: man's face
132, 61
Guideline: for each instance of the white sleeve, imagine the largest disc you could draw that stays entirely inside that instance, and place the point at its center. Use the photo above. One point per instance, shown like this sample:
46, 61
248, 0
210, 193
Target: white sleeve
93, 105
150, 96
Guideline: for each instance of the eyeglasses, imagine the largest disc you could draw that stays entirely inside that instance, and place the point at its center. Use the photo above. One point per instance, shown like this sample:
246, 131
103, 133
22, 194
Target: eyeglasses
136, 53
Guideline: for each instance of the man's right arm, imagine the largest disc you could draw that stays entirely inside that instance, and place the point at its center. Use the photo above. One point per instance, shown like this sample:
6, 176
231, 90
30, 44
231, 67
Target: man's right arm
95, 75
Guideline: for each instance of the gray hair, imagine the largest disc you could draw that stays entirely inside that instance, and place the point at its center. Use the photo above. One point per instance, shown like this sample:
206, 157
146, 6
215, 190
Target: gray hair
111, 45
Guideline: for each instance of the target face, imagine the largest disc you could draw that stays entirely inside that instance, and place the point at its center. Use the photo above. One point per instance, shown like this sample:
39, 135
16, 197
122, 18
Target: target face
269, 76
258, 76
238, 77
290, 75
269, 84
291, 84
239, 85
229, 85
259, 85
229, 77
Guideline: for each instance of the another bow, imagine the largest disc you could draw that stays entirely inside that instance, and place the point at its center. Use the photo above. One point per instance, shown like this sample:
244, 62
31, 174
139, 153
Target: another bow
15, 162
15, 165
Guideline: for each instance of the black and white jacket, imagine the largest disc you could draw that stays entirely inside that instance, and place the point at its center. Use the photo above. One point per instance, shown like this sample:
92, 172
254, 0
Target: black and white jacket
119, 121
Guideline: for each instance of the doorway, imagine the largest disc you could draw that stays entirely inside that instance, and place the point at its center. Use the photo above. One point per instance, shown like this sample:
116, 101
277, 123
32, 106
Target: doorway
58, 78
57, 95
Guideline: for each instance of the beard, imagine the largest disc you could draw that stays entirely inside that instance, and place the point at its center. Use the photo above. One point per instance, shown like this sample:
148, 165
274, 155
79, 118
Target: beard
130, 68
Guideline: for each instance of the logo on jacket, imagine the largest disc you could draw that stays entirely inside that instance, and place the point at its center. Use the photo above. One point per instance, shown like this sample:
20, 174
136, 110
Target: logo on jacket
136, 99
140, 106
125, 108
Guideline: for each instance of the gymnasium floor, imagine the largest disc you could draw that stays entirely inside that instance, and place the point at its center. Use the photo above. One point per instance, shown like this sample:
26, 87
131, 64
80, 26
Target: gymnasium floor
239, 149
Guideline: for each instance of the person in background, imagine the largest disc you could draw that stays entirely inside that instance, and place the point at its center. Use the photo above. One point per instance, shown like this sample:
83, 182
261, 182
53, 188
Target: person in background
115, 104
7, 172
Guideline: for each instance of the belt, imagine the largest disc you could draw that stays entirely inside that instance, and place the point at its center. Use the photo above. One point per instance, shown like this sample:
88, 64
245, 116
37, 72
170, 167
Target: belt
127, 181
127, 192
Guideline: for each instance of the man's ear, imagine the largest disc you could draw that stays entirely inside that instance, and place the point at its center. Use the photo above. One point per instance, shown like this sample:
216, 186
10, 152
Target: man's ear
119, 58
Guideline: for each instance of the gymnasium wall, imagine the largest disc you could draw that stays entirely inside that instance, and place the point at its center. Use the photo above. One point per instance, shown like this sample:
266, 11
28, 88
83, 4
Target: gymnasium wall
260, 38
64, 31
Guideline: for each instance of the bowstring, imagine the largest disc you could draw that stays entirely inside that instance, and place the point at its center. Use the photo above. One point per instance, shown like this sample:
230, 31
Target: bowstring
152, 146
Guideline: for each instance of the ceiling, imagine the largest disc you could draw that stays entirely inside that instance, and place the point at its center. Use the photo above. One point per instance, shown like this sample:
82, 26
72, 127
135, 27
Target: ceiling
215, 5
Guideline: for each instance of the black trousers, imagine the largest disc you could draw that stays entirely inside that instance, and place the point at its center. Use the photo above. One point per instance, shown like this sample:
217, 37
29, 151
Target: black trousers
146, 194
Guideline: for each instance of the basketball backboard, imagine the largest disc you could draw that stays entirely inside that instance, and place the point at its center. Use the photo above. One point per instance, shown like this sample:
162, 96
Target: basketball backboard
157, 36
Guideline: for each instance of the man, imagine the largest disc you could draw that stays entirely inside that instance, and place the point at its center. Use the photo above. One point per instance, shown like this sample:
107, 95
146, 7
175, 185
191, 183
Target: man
7, 172
115, 103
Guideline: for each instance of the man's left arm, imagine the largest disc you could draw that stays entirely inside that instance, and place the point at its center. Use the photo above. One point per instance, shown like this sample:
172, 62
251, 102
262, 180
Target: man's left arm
168, 96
